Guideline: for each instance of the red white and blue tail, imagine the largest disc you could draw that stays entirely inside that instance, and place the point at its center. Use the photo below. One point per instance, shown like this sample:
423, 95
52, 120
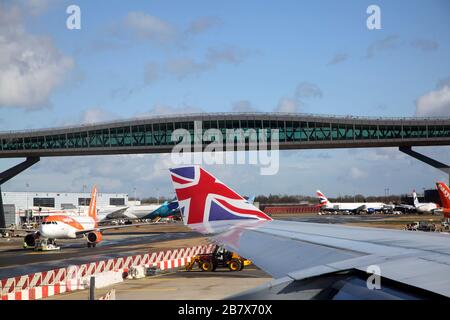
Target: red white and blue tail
203, 198
323, 201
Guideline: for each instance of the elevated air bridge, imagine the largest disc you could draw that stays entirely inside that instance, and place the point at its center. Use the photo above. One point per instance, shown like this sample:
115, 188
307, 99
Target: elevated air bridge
153, 135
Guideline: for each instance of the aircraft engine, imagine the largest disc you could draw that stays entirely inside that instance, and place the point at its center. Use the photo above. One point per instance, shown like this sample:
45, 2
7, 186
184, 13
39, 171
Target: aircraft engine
30, 239
94, 237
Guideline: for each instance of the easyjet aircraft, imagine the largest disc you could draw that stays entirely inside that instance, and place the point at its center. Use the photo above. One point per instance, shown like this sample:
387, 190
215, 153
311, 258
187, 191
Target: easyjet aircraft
72, 227
444, 194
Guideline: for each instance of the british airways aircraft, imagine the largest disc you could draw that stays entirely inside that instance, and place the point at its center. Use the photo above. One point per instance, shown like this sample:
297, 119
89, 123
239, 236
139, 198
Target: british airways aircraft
325, 204
311, 260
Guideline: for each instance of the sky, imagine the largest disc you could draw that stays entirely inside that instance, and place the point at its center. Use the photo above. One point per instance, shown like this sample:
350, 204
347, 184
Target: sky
143, 58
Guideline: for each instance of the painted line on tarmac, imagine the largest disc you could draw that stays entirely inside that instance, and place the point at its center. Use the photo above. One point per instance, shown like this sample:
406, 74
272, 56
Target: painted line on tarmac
146, 289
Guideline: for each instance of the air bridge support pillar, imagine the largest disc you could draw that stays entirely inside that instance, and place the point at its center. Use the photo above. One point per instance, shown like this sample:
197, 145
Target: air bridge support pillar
434, 163
8, 174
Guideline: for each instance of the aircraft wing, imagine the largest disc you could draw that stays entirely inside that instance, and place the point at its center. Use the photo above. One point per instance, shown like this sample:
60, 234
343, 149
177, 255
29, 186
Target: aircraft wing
104, 228
360, 208
292, 252
117, 214
24, 230
311, 260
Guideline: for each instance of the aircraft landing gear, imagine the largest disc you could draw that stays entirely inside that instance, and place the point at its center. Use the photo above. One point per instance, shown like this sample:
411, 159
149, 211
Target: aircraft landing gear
91, 245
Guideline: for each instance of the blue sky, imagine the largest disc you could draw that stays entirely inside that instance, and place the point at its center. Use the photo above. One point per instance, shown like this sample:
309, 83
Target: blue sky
145, 57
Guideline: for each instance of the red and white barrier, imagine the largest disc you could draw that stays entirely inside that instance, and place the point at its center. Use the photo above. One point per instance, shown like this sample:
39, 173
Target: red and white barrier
48, 283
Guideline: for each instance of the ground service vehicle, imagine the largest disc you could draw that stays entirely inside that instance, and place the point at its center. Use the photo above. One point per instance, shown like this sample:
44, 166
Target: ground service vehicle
219, 258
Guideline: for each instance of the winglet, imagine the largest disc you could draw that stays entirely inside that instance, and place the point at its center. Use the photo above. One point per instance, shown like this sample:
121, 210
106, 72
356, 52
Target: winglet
203, 198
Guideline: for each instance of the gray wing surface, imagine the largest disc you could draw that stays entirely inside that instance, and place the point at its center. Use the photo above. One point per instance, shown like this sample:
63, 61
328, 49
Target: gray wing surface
296, 250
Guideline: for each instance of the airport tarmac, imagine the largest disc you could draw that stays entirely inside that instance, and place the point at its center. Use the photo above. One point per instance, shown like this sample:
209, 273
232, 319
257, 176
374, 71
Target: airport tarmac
373, 220
15, 261
180, 285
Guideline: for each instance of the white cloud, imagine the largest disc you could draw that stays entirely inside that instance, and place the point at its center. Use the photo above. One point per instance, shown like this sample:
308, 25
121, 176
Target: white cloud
95, 115
388, 43
338, 58
434, 103
394, 42
149, 27
31, 67
183, 67
425, 44
288, 105
243, 106
292, 104
162, 109
36, 7
357, 173
308, 90
203, 24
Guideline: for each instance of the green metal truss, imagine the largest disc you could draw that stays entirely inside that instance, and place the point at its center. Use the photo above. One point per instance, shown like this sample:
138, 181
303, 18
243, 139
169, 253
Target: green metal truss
294, 130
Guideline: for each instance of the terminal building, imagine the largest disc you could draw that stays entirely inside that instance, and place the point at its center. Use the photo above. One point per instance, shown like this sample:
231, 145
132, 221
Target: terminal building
18, 205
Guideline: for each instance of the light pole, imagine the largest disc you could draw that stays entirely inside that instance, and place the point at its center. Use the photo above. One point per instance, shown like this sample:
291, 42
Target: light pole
84, 199
134, 189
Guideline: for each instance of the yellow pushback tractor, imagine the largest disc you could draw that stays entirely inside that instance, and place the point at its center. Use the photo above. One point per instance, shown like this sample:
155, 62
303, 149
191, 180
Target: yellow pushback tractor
219, 258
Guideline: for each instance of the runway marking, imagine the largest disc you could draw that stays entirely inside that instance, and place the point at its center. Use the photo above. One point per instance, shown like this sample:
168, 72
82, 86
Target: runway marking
146, 289
42, 252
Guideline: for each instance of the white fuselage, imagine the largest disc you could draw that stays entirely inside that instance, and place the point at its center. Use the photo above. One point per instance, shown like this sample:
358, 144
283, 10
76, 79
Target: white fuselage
133, 212
137, 212
349, 206
65, 227
426, 207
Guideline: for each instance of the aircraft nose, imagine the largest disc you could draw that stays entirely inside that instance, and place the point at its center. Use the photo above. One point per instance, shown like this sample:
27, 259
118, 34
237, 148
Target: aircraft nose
44, 230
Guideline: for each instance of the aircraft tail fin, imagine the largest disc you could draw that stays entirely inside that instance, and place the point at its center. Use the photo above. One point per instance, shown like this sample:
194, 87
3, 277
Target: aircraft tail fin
251, 199
322, 199
416, 200
203, 198
92, 212
444, 194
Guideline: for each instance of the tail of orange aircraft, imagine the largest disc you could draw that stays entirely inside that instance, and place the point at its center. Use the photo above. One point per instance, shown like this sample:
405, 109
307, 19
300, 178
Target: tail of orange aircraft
444, 194
93, 205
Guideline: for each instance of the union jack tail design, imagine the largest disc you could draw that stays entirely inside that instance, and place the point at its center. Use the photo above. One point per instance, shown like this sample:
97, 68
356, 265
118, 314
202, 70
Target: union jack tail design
203, 198
323, 200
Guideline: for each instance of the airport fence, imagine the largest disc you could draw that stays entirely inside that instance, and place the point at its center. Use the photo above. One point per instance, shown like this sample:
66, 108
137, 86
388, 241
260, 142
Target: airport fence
52, 282
291, 209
